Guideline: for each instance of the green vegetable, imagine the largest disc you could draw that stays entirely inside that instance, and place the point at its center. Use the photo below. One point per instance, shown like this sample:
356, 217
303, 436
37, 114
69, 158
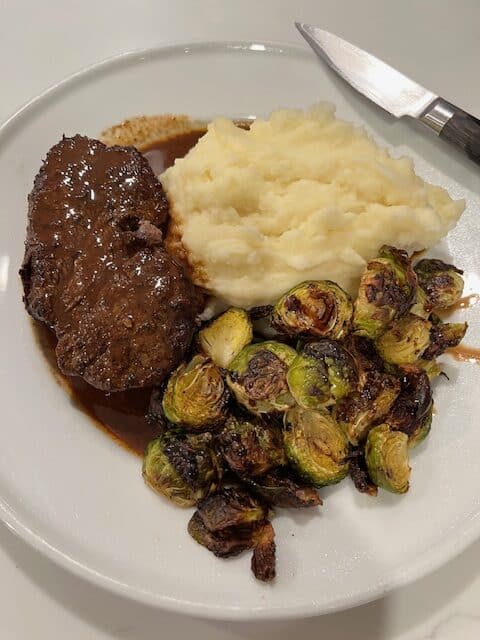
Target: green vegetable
196, 395
315, 446
226, 336
321, 374
441, 282
386, 454
405, 341
317, 308
258, 377
182, 467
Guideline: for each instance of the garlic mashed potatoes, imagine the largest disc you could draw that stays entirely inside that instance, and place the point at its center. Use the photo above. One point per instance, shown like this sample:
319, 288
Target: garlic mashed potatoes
300, 196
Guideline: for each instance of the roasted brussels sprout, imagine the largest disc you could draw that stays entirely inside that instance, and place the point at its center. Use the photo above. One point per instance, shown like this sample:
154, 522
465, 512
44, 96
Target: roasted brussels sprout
422, 430
258, 377
196, 396
442, 283
182, 467
322, 373
263, 558
318, 308
443, 336
422, 306
357, 469
231, 507
356, 414
280, 489
224, 543
413, 404
225, 337
386, 454
405, 341
387, 290
316, 446
251, 446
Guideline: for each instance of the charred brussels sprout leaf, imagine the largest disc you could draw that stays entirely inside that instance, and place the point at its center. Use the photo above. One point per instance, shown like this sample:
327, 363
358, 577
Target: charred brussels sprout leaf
441, 282
318, 308
321, 374
444, 336
405, 341
386, 454
359, 473
368, 406
422, 430
251, 446
413, 404
280, 489
316, 446
226, 543
263, 558
226, 336
231, 507
258, 377
387, 290
182, 467
196, 396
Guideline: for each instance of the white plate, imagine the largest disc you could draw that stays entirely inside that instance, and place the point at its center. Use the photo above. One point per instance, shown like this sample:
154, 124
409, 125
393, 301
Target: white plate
71, 492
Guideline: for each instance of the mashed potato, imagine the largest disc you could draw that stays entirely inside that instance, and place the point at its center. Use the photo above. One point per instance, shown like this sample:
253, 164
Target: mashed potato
299, 196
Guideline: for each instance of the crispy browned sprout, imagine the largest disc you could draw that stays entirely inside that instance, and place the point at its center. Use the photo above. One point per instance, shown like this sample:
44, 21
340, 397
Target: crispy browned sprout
258, 377
387, 290
405, 340
359, 473
321, 374
316, 446
225, 336
317, 308
422, 306
386, 455
231, 507
414, 403
280, 489
443, 336
251, 446
357, 413
182, 467
231, 522
196, 396
263, 558
441, 282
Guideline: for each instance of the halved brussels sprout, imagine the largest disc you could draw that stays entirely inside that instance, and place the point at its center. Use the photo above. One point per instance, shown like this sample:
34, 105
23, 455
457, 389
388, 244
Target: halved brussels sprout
365, 356
317, 308
422, 306
322, 373
280, 489
405, 341
386, 454
315, 446
387, 290
250, 446
413, 404
231, 507
356, 414
225, 337
358, 472
196, 396
422, 430
442, 283
258, 377
182, 467
224, 543
443, 336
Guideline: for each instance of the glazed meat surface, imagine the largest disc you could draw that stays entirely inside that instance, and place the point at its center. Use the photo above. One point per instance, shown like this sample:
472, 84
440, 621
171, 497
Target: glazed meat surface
95, 269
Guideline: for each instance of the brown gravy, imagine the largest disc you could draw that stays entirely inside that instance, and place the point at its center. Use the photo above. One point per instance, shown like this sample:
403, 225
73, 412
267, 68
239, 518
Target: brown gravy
121, 415
465, 354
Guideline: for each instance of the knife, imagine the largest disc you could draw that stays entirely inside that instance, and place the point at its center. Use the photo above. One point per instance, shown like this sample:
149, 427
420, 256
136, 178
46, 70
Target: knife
393, 91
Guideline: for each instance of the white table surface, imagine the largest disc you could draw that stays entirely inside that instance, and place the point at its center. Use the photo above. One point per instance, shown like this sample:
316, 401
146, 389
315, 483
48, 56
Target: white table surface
437, 42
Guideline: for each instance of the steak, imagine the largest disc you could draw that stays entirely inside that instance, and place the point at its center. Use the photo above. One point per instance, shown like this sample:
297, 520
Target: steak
95, 269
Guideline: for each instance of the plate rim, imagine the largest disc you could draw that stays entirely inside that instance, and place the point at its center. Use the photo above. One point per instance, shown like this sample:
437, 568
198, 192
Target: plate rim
439, 555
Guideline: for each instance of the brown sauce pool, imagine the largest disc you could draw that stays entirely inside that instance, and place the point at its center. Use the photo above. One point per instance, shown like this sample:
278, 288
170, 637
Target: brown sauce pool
121, 415
465, 354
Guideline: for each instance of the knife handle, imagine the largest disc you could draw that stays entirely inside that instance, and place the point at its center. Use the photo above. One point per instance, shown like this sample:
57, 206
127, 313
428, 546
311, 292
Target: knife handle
455, 125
